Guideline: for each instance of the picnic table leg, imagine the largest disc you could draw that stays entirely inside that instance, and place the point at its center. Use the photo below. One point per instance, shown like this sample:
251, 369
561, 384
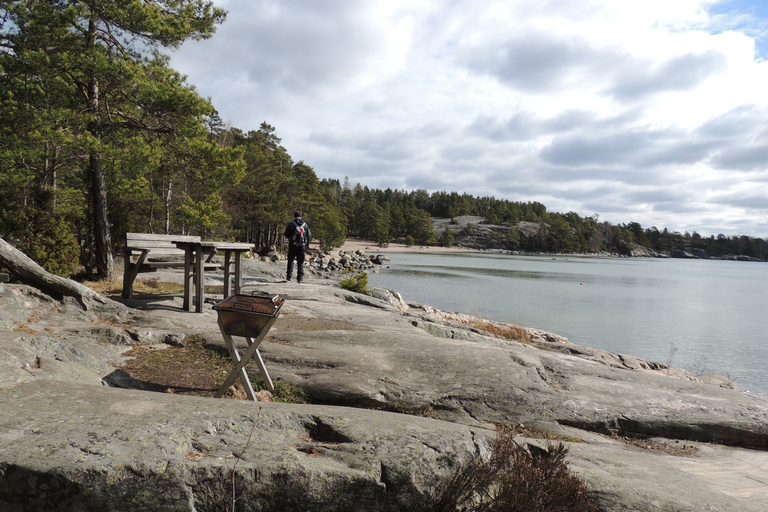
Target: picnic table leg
127, 281
188, 276
131, 270
227, 273
238, 272
199, 281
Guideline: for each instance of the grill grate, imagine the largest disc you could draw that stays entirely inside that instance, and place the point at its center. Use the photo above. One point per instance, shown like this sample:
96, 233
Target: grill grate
262, 304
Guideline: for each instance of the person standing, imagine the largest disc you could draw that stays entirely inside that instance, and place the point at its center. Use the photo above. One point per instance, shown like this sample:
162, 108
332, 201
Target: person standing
298, 235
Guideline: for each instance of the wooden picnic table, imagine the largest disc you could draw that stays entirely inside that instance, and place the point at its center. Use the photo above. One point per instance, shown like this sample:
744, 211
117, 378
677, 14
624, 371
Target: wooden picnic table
142, 250
194, 268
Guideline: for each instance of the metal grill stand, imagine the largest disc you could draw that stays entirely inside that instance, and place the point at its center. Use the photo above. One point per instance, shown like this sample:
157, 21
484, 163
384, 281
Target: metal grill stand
249, 316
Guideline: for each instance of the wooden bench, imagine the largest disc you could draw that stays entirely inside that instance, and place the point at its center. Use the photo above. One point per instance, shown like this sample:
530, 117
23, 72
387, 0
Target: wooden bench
144, 246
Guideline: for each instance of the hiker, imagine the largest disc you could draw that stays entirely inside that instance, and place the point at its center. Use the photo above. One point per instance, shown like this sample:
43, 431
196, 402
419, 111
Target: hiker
298, 235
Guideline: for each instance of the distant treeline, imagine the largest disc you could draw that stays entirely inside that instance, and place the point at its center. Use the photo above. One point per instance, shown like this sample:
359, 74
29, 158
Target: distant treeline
385, 215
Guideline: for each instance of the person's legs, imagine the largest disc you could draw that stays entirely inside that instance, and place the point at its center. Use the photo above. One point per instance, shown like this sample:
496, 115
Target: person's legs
299, 265
291, 257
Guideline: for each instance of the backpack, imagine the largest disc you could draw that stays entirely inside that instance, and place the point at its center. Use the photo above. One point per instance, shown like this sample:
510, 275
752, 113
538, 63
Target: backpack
299, 238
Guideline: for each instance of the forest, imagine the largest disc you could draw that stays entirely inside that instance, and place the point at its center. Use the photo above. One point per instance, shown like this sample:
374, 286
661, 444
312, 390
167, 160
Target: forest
99, 136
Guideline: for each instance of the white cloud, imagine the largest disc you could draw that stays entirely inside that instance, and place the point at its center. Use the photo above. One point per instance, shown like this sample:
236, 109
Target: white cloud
639, 111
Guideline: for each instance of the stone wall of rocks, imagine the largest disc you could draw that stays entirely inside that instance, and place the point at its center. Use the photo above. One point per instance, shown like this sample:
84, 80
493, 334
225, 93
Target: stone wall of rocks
347, 261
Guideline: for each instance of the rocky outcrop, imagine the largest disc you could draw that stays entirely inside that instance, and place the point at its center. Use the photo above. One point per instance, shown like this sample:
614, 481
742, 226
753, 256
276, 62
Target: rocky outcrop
67, 434
96, 448
643, 252
465, 376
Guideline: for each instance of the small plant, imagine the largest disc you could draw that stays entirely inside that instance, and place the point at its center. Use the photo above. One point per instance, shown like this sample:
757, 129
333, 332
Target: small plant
516, 477
409, 241
670, 357
284, 392
356, 283
699, 367
239, 457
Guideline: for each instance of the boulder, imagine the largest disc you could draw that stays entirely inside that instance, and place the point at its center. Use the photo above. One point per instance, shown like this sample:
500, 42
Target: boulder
380, 259
700, 253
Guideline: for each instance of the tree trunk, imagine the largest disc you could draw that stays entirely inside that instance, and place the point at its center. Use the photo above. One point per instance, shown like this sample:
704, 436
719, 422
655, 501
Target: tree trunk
29, 272
105, 262
168, 197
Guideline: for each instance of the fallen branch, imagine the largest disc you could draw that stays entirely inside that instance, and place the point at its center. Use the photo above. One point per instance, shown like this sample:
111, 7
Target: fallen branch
29, 272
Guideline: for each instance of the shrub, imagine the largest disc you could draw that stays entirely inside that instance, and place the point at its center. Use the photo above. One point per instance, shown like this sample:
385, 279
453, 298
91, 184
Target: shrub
409, 241
446, 239
52, 245
356, 283
517, 478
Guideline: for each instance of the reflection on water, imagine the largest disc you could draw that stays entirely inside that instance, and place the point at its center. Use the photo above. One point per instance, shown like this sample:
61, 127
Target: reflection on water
712, 312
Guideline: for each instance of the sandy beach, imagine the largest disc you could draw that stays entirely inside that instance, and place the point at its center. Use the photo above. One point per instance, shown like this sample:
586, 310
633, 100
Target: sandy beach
354, 244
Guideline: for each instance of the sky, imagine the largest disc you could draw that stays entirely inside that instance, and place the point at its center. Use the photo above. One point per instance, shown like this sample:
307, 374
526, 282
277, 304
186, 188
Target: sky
653, 112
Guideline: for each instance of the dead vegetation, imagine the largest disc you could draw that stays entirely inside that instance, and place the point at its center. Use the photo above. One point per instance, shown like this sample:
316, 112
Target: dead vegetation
151, 286
508, 331
676, 449
517, 477
198, 369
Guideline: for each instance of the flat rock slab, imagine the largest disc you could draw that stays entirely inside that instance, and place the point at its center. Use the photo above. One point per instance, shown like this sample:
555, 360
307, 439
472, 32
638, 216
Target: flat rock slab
65, 446
379, 357
132, 450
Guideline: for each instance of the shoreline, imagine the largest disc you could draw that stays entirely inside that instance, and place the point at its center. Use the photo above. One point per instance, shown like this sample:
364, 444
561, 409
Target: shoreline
355, 244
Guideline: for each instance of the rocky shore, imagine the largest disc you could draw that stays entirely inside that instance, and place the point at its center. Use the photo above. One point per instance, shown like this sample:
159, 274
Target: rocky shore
77, 434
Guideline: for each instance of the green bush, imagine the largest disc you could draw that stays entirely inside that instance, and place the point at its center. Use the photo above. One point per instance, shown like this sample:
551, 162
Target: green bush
356, 283
409, 241
446, 239
52, 245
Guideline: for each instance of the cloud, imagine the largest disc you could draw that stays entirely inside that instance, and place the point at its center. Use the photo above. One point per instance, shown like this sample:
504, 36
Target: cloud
680, 73
622, 148
537, 61
650, 112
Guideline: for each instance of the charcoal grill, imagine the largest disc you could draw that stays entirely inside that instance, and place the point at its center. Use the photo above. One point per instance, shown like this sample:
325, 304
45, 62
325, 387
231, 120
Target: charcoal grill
251, 317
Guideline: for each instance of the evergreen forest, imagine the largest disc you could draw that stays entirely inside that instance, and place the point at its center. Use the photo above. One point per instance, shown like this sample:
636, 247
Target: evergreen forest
99, 136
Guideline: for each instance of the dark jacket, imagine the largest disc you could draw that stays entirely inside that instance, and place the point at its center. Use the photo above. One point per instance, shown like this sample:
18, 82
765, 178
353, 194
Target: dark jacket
290, 229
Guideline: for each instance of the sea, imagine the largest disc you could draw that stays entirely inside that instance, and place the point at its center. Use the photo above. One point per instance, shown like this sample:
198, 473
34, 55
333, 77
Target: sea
707, 316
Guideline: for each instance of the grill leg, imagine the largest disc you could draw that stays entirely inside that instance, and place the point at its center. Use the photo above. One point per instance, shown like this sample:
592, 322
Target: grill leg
263, 371
238, 371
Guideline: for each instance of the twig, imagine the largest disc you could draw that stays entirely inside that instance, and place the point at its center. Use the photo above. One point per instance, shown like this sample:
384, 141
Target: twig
235, 497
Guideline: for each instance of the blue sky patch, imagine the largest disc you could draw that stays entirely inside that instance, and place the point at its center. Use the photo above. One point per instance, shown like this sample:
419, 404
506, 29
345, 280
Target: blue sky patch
748, 16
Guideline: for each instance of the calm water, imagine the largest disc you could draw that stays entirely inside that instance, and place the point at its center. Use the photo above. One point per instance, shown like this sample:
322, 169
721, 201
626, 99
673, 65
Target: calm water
714, 313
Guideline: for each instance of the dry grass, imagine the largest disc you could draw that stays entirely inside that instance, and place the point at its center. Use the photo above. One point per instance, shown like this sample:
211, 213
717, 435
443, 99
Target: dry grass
196, 369
150, 286
140, 286
508, 331
676, 449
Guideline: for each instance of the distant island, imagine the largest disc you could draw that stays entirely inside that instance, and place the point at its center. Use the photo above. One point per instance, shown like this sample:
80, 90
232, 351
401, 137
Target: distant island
472, 232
